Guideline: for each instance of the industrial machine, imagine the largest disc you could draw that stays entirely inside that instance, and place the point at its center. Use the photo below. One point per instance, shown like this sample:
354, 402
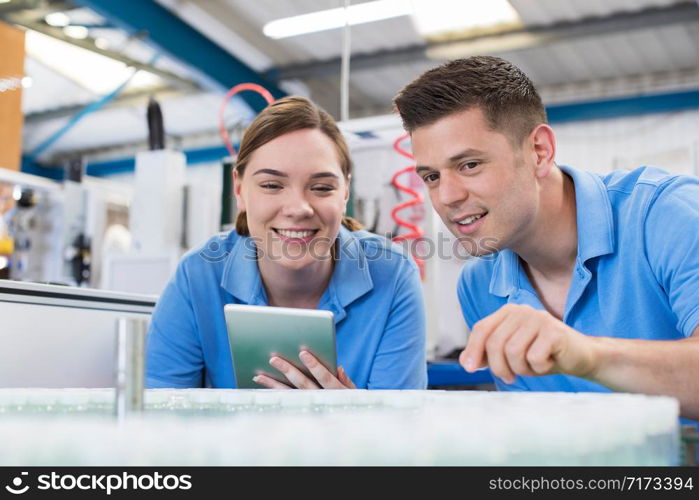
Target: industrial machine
58, 336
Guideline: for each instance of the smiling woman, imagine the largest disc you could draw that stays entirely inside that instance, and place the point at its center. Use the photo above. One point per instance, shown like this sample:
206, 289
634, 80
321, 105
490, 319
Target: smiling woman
317, 166
293, 247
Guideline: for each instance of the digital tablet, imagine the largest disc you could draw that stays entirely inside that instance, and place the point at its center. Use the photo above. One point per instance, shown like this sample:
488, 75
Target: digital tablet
256, 333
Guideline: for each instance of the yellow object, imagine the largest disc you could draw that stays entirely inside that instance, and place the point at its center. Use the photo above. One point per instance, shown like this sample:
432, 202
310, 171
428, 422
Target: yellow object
7, 245
12, 119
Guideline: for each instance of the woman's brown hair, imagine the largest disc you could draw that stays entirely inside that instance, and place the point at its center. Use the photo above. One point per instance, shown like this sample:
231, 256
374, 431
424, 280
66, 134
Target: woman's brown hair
290, 114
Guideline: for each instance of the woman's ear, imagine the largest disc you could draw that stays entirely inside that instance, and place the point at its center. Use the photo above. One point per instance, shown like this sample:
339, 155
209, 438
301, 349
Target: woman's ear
237, 182
347, 188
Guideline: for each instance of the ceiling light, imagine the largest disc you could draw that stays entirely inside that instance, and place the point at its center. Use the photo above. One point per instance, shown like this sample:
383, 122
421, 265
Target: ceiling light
90, 70
79, 32
27, 82
337, 18
102, 43
57, 19
440, 17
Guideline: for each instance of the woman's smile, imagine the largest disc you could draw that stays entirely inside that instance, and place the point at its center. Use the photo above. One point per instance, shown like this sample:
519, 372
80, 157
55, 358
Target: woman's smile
295, 235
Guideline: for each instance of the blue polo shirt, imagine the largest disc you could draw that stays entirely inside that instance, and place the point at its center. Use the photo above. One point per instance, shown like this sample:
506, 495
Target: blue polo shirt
374, 293
637, 271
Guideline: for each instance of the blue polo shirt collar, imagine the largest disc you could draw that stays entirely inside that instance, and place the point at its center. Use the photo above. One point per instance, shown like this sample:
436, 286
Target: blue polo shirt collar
594, 215
241, 277
595, 233
505, 279
351, 278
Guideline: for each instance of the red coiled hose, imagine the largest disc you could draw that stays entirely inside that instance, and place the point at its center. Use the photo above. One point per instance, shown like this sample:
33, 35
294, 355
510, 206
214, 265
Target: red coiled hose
233, 91
415, 231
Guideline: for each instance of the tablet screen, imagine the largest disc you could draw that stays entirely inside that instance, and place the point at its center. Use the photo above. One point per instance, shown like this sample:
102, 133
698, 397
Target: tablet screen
256, 333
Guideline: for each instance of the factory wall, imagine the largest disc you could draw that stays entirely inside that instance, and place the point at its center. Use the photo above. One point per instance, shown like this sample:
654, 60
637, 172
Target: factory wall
664, 140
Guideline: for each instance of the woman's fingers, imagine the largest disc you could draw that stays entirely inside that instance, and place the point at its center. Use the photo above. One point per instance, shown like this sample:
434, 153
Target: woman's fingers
269, 382
293, 374
298, 379
344, 378
326, 379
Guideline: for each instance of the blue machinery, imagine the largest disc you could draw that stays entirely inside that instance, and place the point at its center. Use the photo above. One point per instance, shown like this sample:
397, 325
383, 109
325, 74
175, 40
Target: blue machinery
452, 374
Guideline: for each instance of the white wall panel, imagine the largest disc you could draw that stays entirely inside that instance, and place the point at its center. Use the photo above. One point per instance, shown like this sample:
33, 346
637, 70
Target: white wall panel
665, 140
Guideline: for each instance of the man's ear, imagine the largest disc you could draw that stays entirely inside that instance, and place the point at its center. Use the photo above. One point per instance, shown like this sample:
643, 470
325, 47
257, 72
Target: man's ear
237, 182
543, 141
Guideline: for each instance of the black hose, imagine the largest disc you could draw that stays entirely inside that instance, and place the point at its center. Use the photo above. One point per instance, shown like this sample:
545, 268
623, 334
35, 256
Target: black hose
156, 129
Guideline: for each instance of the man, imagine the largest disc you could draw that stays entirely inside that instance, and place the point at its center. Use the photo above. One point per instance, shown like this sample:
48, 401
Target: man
586, 282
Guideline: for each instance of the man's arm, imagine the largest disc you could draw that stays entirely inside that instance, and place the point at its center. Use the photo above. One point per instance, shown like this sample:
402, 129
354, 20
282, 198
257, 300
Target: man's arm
669, 367
519, 340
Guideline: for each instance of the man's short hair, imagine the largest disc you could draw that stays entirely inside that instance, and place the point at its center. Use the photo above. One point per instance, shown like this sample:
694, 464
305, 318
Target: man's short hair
503, 92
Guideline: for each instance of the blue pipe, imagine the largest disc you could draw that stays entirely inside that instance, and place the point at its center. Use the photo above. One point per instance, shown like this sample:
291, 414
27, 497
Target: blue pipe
93, 106
623, 106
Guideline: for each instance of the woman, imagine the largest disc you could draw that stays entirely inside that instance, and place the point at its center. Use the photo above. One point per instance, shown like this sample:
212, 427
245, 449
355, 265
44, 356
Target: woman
292, 247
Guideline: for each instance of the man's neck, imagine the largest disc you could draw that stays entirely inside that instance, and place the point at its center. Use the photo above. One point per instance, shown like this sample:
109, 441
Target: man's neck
551, 249
295, 287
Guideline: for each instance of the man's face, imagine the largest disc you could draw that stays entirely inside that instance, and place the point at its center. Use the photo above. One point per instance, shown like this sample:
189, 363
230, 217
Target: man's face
484, 190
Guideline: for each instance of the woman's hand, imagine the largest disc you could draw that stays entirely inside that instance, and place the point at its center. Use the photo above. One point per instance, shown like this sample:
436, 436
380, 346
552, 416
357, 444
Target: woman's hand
297, 379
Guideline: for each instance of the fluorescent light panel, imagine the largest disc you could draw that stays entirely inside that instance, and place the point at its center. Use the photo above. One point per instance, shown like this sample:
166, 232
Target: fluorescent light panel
337, 18
92, 71
57, 19
431, 17
435, 17
79, 32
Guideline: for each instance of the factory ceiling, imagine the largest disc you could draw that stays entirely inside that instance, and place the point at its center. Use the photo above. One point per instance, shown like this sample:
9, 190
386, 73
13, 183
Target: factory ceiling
574, 51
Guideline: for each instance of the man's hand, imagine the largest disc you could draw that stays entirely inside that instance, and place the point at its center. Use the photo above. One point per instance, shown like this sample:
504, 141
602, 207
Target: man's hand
520, 340
298, 380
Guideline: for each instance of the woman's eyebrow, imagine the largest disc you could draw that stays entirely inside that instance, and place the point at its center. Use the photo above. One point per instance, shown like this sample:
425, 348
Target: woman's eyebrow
271, 172
324, 174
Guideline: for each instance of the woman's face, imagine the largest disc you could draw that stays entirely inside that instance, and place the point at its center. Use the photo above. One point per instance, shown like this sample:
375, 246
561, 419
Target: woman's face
294, 194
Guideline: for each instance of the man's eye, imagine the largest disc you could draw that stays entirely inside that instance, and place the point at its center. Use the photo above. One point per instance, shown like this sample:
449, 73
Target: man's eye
430, 177
470, 165
323, 189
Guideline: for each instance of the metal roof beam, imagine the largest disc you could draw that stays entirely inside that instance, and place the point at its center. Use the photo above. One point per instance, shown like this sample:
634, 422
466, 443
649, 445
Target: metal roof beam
89, 44
176, 38
20, 5
124, 99
510, 40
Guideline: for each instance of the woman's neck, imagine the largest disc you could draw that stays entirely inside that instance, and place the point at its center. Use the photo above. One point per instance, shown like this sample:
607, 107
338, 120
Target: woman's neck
300, 288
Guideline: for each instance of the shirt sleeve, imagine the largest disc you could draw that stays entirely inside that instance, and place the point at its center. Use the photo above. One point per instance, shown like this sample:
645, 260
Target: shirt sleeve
174, 357
468, 310
400, 361
672, 248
